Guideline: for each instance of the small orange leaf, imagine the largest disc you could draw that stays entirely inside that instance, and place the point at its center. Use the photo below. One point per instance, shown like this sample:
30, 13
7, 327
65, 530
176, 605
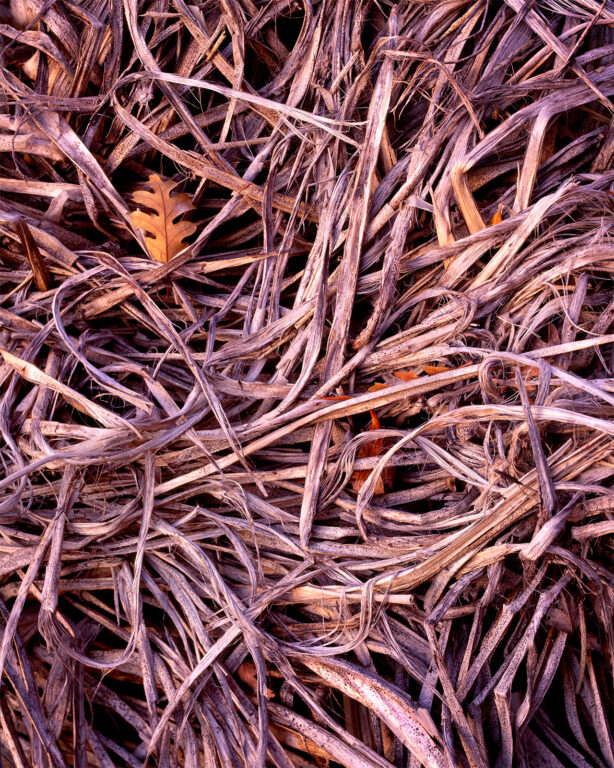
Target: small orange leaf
373, 448
497, 218
377, 386
431, 370
335, 397
164, 234
406, 375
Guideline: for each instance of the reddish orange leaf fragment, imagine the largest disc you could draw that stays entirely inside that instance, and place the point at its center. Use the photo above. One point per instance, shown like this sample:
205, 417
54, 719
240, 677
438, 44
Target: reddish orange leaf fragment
374, 423
497, 218
406, 375
247, 674
377, 386
373, 448
431, 370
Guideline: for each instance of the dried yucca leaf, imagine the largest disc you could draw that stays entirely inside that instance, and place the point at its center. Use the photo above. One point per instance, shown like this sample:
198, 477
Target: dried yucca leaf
407, 209
412, 725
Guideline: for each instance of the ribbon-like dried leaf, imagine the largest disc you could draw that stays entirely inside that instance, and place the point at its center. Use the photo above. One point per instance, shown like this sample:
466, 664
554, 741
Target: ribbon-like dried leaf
411, 725
167, 232
34, 375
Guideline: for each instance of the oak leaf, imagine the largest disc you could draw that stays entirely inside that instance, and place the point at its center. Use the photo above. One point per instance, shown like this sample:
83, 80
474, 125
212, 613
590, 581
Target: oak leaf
164, 233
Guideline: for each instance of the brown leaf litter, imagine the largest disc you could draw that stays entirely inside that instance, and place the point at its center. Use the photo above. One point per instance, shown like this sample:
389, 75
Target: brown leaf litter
309, 461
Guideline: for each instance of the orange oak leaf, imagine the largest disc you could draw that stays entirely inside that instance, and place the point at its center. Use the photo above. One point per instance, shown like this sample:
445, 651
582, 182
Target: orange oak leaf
164, 231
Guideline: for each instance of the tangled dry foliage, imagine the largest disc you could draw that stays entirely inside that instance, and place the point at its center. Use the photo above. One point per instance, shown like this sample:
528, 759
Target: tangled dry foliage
199, 565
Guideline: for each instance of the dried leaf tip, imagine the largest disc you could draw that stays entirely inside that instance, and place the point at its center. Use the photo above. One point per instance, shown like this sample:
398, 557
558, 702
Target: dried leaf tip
164, 234
40, 273
375, 423
498, 216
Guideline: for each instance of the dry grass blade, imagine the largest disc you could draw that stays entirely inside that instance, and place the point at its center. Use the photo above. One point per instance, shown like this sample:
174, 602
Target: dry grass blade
40, 273
410, 725
310, 463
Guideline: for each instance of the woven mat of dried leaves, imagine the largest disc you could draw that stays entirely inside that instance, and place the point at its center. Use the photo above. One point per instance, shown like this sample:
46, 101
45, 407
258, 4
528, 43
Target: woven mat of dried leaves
306, 383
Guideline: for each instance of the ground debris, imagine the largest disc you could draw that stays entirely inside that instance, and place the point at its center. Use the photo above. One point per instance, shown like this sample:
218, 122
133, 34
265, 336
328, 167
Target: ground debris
321, 474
